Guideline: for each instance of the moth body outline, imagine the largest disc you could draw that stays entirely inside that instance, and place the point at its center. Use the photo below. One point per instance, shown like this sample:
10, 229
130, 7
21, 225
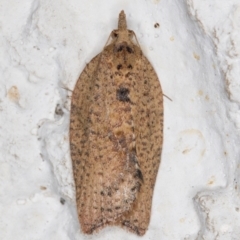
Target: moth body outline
116, 134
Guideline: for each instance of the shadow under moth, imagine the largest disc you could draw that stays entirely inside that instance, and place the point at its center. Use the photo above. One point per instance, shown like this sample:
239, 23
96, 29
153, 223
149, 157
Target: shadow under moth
116, 134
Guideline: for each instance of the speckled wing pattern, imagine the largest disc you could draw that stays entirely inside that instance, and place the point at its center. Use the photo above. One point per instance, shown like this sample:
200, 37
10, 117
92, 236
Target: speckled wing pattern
116, 134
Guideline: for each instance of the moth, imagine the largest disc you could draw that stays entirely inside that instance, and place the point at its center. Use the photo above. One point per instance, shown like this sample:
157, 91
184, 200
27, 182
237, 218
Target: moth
116, 135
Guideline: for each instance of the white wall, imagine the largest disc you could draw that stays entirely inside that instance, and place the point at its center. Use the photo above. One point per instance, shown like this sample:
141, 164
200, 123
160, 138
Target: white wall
44, 46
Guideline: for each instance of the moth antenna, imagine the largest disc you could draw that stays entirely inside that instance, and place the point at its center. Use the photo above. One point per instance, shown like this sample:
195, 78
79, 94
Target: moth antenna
67, 89
141, 50
122, 22
136, 40
107, 41
167, 97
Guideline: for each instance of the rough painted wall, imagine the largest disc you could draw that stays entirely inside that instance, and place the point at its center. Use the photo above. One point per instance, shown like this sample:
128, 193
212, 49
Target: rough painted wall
196, 54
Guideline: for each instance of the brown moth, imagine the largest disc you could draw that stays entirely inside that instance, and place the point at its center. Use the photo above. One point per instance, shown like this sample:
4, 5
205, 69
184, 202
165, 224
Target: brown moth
116, 135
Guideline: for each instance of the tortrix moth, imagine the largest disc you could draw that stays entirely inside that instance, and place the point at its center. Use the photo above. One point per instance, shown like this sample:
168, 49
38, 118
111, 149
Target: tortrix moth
116, 135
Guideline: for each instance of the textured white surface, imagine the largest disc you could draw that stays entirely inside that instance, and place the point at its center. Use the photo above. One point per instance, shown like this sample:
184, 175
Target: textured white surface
44, 45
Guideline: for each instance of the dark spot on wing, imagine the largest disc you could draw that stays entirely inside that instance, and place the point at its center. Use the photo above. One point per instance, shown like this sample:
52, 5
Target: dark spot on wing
130, 50
120, 48
138, 174
119, 66
122, 94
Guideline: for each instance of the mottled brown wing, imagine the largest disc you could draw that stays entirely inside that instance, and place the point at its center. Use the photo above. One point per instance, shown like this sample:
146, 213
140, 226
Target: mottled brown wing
105, 167
148, 120
79, 132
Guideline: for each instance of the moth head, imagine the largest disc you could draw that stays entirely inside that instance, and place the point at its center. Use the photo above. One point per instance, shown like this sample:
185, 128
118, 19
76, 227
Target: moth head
122, 34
